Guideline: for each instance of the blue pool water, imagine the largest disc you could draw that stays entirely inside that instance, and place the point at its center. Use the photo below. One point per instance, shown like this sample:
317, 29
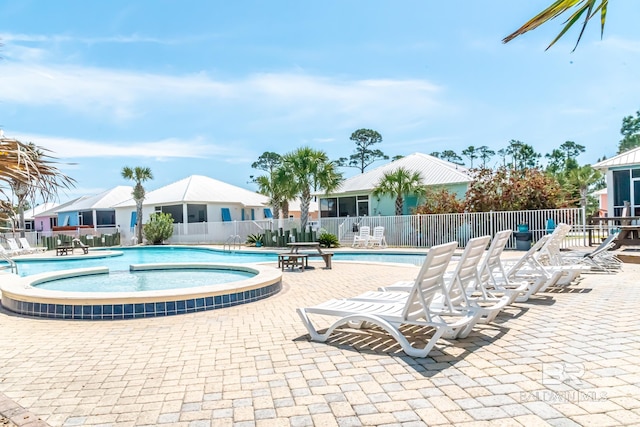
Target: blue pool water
138, 281
147, 255
150, 255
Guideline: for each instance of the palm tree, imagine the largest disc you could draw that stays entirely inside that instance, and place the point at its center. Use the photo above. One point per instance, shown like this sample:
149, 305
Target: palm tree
587, 8
304, 171
28, 168
400, 183
581, 180
139, 175
277, 188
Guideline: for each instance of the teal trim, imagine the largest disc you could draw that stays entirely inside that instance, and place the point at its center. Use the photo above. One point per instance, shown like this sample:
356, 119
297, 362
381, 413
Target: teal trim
226, 214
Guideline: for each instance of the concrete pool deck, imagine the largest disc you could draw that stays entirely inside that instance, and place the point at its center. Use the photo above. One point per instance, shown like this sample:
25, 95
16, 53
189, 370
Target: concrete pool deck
253, 364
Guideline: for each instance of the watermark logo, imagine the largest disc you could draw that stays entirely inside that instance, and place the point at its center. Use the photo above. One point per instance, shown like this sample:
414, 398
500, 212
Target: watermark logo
562, 373
559, 373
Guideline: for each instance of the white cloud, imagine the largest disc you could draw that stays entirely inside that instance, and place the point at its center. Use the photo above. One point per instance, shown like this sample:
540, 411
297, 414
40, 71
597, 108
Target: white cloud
621, 44
69, 148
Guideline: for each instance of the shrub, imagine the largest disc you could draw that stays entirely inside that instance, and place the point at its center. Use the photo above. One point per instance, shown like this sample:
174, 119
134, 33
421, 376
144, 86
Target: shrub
159, 228
255, 239
328, 240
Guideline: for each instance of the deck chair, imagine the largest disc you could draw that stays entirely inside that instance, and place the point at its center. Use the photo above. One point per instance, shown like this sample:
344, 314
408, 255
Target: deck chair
463, 288
391, 316
15, 248
601, 259
530, 269
551, 256
493, 275
7, 252
377, 240
361, 239
27, 246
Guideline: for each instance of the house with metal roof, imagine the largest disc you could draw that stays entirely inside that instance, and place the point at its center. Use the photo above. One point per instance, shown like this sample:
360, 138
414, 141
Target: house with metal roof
622, 174
93, 211
354, 197
196, 199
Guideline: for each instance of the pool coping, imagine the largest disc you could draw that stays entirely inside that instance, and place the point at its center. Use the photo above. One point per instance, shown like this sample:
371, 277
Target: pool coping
20, 296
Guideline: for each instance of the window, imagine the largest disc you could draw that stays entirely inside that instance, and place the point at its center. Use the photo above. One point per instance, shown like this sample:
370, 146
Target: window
267, 213
344, 206
621, 187
363, 205
226, 214
105, 218
196, 213
347, 206
329, 208
175, 211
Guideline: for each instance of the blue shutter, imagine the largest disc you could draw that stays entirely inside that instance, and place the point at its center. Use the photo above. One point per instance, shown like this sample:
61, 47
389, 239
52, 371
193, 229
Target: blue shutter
226, 215
242, 215
253, 215
134, 216
267, 213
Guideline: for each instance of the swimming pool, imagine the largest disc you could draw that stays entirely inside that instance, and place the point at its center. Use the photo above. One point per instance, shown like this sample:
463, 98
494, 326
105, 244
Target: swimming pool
23, 294
146, 280
124, 257
120, 259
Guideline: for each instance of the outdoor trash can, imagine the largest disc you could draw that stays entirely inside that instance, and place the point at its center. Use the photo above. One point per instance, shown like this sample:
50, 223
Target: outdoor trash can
523, 240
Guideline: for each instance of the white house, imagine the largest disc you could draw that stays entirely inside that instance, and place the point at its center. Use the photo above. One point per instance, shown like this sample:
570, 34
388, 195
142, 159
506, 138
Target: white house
196, 199
95, 211
354, 197
622, 174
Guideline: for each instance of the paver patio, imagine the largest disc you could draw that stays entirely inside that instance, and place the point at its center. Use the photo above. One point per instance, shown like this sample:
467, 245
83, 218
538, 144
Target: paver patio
254, 364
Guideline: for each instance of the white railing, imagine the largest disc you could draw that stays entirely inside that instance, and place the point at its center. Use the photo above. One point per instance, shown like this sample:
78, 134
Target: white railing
430, 230
400, 231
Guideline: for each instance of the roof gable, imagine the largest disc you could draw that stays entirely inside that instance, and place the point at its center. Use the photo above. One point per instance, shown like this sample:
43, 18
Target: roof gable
628, 158
105, 200
434, 171
200, 189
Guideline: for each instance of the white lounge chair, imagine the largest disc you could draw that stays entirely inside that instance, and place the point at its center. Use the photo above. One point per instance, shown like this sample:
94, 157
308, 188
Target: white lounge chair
601, 259
549, 255
15, 248
361, 239
464, 288
528, 268
27, 246
7, 252
377, 240
493, 275
415, 310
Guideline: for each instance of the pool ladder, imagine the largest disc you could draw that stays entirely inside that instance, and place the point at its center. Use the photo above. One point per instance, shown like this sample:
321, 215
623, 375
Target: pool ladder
233, 242
12, 264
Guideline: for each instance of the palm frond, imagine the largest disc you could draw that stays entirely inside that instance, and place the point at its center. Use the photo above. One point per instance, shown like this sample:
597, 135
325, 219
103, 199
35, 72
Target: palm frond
586, 8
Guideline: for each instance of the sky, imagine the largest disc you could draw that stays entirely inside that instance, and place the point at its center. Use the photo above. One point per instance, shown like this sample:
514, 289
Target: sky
205, 87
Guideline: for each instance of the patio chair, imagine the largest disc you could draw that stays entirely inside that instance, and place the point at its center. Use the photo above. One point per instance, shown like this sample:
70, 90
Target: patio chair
377, 240
7, 252
361, 239
551, 256
463, 288
391, 316
528, 268
15, 248
601, 259
492, 272
27, 246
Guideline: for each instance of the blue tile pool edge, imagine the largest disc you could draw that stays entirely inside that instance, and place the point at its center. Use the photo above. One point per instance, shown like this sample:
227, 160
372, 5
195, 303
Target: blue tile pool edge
138, 310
